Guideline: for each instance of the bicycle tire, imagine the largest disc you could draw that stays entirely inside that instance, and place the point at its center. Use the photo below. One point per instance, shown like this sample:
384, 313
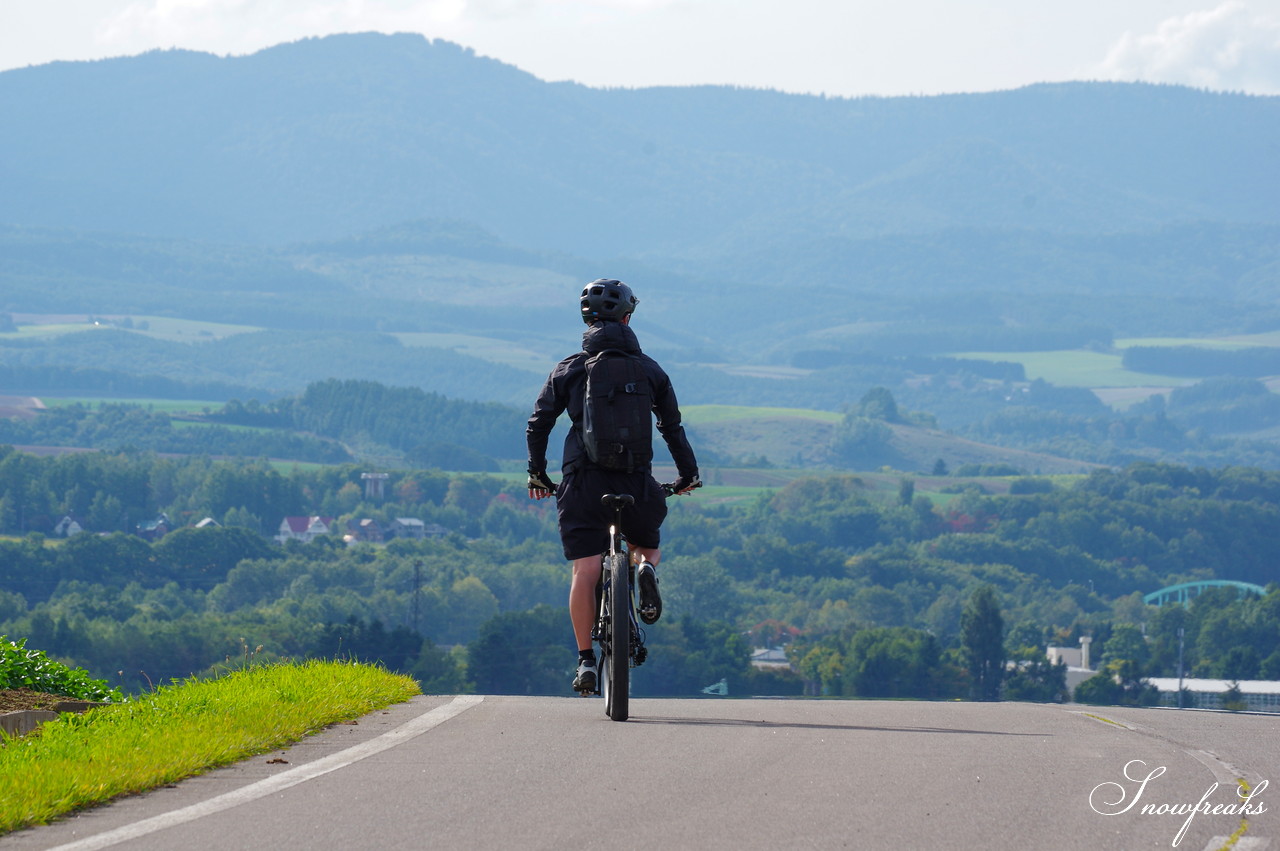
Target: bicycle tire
617, 677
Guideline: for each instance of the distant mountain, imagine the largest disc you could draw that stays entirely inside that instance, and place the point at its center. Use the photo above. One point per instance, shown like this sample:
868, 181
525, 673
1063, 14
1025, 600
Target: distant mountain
327, 137
393, 209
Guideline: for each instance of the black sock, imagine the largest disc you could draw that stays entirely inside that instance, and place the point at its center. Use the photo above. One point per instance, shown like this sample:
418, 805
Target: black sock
588, 655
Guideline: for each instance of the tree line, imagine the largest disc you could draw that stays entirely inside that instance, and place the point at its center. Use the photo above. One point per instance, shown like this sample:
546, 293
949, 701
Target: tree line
856, 582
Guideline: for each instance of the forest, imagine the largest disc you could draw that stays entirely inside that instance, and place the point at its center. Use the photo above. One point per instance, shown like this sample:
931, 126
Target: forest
851, 581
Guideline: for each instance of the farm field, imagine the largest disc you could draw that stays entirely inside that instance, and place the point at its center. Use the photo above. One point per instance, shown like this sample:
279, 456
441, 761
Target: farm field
31, 326
485, 348
1102, 370
715, 414
1238, 341
1080, 368
167, 406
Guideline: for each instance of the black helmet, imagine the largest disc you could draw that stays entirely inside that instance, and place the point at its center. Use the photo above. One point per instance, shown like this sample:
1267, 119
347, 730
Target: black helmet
605, 298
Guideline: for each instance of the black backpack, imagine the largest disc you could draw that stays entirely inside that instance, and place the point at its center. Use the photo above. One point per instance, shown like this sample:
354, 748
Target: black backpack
617, 412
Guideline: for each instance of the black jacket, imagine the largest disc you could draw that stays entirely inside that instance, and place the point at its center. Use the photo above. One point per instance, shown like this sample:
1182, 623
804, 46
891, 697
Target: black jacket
564, 390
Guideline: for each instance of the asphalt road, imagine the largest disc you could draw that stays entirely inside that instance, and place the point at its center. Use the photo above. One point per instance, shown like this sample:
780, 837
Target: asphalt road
512, 772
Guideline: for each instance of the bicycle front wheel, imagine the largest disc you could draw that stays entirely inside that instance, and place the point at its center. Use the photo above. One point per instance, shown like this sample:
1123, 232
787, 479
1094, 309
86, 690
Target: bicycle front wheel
617, 663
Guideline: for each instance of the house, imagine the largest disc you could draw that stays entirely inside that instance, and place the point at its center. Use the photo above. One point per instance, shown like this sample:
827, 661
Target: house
207, 523
67, 527
409, 527
769, 657
365, 529
304, 529
154, 530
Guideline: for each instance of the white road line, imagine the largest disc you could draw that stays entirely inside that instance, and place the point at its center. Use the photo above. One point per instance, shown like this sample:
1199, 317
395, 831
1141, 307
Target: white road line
284, 780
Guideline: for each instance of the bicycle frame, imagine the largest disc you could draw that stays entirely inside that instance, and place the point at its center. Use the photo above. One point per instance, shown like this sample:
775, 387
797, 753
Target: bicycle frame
617, 631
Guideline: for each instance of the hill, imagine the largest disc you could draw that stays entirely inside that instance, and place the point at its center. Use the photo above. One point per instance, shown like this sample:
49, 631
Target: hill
397, 210
325, 137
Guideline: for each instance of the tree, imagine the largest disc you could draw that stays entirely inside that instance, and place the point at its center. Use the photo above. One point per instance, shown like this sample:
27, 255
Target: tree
1035, 678
982, 637
878, 404
894, 662
689, 654
523, 653
1126, 642
206, 555
862, 443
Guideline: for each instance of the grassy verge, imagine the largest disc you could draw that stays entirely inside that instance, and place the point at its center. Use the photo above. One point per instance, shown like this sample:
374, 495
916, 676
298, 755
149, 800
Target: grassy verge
181, 730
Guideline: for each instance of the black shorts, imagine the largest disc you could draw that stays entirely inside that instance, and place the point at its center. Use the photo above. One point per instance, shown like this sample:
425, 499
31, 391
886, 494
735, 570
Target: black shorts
585, 522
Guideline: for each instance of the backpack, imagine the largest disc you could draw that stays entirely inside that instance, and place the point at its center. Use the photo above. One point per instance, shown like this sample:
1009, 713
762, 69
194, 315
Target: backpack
617, 412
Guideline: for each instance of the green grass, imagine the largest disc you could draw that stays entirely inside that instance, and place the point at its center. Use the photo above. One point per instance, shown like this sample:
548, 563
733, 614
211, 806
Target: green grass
53, 329
187, 424
1237, 341
188, 330
713, 414
488, 349
167, 406
157, 327
181, 730
1080, 368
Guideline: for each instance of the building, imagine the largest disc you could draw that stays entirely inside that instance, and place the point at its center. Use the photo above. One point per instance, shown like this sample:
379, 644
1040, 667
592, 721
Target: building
304, 529
154, 530
414, 529
770, 657
1079, 667
67, 527
365, 529
1255, 695
375, 485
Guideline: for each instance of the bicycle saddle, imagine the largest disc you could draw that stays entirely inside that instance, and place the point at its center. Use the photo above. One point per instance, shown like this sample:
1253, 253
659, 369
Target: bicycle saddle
617, 500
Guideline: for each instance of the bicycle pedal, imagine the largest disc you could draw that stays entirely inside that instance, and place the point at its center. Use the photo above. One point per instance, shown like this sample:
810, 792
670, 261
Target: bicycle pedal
640, 655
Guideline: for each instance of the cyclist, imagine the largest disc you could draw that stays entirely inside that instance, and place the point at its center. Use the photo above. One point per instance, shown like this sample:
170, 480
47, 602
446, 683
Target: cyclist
606, 306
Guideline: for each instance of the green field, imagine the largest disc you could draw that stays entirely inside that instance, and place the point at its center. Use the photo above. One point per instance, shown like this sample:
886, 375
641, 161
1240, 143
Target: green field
1080, 368
1239, 341
1098, 370
485, 348
715, 414
167, 406
181, 424
157, 327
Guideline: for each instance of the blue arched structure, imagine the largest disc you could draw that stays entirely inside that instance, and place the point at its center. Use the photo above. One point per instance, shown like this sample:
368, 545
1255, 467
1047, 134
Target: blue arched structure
1184, 592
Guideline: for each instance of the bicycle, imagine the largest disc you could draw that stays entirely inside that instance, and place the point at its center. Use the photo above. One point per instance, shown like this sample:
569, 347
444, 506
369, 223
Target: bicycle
617, 631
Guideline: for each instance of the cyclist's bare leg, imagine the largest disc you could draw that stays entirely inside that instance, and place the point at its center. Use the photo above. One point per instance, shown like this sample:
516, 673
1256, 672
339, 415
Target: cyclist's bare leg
582, 598
639, 554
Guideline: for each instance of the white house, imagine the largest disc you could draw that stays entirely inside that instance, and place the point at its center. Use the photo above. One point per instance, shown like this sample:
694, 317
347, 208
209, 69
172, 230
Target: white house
303, 529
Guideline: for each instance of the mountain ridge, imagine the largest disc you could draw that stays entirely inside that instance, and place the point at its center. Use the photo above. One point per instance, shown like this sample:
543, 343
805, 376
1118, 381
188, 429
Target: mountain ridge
321, 138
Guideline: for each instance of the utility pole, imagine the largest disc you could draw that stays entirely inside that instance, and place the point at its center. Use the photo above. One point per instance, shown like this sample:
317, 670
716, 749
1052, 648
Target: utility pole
1181, 633
417, 593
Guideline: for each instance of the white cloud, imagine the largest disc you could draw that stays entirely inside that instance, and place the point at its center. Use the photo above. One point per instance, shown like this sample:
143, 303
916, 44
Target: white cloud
1231, 47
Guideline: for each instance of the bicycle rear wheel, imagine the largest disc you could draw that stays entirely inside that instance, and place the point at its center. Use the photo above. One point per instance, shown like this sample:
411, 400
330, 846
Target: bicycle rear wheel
616, 665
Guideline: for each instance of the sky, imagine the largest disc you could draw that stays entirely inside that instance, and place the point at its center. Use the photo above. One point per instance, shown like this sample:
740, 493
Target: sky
834, 47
